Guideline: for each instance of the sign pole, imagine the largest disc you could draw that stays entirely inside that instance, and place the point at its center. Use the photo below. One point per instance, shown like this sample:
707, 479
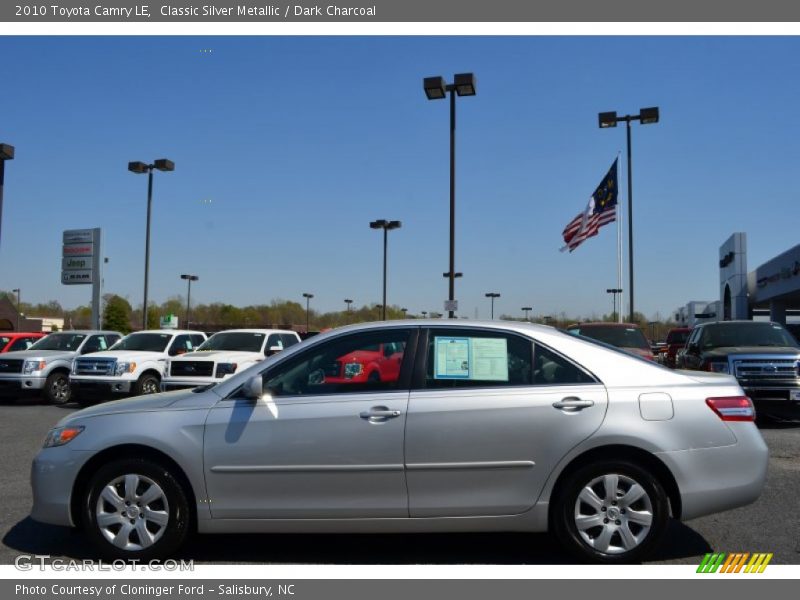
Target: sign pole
96, 278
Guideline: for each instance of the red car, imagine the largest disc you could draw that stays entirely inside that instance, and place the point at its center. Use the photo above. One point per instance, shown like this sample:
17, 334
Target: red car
378, 363
676, 339
626, 336
16, 340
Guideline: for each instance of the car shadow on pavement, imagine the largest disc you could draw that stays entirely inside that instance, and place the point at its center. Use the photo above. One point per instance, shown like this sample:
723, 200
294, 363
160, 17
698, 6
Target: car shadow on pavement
29, 537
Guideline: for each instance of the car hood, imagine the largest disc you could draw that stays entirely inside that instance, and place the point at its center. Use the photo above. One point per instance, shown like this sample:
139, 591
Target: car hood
175, 399
723, 352
221, 355
42, 354
128, 355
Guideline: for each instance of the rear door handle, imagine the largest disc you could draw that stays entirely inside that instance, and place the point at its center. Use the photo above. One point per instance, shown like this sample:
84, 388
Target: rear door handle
379, 413
572, 404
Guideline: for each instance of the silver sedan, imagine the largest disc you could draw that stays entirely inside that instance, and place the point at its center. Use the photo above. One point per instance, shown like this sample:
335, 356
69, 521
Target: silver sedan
412, 426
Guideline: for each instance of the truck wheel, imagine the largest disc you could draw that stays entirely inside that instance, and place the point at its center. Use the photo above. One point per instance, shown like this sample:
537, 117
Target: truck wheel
135, 509
147, 384
56, 388
610, 512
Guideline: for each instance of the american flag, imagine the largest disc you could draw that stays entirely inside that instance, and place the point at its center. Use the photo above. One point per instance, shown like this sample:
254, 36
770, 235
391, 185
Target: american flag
601, 210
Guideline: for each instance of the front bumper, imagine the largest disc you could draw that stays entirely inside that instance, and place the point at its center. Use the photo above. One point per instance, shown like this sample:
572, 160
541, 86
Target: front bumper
21, 383
712, 480
775, 402
53, 474
96, 387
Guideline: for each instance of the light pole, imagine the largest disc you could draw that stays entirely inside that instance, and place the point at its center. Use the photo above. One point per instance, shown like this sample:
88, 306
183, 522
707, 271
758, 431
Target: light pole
436, 89
189, 279
162, 164
615, 291
18, 293
6, 153
492, 295
405, 312
308, 298
424, 313
386, 226
348, 302
527, 310
646, 116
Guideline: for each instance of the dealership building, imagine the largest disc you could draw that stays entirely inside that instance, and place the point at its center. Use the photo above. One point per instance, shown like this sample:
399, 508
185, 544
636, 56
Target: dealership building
772, 289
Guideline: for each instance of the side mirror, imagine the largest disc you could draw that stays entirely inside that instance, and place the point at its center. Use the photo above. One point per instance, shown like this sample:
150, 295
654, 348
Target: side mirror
253, 388
273, 350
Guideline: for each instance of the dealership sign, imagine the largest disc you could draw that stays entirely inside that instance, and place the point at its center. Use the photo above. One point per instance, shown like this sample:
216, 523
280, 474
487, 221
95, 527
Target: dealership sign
78, 264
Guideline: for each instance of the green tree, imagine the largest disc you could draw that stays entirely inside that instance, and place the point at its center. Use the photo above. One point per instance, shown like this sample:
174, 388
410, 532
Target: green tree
117, 315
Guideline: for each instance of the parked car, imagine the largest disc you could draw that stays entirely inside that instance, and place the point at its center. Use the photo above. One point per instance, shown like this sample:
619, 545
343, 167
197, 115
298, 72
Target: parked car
14, 341
489, 426
794, 329
370, 363
763, 356
627, 336
676, 339
134, 365
43, 369
223, 354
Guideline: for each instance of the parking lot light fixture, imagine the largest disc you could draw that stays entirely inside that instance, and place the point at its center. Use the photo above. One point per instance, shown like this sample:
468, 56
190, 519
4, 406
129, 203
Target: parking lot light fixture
646, 116
189, 279
348, 302
405, 312
464, 84
386, 226
308, 298
6, 153
492, 295
615, 291
527, 310
138, 167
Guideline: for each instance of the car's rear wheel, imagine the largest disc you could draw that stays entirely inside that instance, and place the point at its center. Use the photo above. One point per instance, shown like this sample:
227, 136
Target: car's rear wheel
135, 509
611, 512
147, 384
56, 388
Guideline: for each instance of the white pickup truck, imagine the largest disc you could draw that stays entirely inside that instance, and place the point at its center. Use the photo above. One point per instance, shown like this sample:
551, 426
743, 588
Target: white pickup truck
134, 365
224, 354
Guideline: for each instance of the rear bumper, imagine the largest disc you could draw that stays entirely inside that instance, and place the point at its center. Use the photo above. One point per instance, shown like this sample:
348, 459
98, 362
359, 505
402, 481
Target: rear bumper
712, 480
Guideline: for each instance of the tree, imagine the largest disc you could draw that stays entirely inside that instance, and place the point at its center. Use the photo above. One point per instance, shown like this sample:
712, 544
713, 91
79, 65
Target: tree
117, 316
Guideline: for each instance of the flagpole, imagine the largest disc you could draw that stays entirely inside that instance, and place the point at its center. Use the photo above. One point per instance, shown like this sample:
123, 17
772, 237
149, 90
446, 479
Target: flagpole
619, 253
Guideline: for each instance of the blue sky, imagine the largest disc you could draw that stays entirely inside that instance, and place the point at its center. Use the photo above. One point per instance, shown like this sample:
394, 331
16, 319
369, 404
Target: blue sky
286, 148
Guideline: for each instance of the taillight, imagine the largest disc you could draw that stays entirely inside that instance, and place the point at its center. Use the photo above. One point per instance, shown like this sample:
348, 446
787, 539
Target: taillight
733, 408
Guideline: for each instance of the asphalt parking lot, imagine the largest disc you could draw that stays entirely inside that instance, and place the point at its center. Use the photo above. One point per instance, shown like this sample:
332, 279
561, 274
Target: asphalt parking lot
769, 525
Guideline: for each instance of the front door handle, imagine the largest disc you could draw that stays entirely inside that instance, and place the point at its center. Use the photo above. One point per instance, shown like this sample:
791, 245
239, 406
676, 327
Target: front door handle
573, 404
378, 414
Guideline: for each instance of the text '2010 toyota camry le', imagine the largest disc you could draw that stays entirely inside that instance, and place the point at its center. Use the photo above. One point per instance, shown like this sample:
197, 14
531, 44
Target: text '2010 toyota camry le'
412, 426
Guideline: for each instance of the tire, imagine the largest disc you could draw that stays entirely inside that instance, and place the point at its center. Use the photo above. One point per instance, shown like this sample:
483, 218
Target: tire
601, 526
135, 509
147, 384
56, 388
374, 377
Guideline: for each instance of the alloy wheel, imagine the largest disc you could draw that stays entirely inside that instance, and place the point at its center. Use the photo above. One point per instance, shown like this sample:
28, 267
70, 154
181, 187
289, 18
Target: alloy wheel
132, 512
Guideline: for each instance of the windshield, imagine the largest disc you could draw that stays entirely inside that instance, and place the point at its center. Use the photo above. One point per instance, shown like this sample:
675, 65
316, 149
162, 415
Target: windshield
621, 337
241, 341
147, 342
60, 341
725, 335
678, 337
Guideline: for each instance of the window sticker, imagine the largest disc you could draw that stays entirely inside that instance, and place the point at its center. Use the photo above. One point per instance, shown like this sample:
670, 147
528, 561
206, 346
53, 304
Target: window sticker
452, 356
479, 359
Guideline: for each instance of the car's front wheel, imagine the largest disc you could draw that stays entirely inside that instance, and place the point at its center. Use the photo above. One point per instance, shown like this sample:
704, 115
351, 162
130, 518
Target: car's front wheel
611, 512
135, 509
56, 388
147, 384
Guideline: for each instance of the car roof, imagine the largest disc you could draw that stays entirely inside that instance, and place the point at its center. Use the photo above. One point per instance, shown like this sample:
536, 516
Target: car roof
604, 324
255, 331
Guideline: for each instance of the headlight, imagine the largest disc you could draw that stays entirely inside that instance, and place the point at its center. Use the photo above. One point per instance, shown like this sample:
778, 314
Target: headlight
718, 367
353, 370
33, 365
226, 369
61, 435
124, 367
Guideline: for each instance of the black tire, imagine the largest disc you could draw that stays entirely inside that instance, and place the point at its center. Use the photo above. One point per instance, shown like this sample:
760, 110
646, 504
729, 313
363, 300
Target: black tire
374, 377
172, 501
56, 388
590, 543
147, 384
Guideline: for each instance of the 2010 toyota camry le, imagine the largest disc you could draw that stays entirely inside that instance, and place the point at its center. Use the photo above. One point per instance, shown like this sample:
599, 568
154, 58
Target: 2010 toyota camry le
412, 426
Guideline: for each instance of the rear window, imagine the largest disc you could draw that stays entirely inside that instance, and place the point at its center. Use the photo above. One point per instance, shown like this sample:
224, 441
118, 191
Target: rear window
621, 337
677, 337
